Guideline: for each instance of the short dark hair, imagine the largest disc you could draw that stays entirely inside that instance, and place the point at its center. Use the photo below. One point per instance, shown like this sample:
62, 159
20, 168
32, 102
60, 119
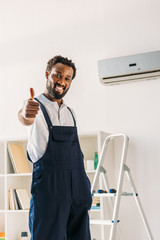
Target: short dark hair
60, 59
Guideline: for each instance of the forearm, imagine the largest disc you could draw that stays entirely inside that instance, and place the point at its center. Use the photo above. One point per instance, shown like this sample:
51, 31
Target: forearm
23, 120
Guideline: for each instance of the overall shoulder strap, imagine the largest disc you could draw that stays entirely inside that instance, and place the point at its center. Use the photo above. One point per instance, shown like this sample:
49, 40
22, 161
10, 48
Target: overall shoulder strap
46, 116
72, 116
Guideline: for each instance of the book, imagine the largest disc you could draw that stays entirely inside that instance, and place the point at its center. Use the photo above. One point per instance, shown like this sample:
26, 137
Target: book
18, 158
96, 200
11, 200
15, 200
24, 198
18, 201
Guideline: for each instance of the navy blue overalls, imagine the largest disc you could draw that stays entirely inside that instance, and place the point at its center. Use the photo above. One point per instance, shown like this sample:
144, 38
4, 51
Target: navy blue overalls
60, 189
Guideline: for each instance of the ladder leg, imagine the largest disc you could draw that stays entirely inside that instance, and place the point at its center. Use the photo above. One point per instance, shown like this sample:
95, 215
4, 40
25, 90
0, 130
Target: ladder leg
116, 210
139, 203
119, 189
101, 208
107, 186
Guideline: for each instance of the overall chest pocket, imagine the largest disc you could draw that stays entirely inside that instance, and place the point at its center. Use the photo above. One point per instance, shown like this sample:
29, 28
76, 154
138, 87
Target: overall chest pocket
66, 147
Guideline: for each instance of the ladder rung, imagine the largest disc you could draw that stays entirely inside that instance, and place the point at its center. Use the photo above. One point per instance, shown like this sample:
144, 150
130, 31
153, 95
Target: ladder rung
101, 222
111, 194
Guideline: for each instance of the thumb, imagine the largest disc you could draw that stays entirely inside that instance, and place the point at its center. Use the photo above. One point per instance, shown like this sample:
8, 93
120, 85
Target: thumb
32, 93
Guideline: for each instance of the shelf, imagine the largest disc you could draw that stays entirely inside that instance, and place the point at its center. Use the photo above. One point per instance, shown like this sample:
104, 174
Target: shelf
111, 194
18, 174
100, 222
91, 134
17, 211
90, 171
13, 211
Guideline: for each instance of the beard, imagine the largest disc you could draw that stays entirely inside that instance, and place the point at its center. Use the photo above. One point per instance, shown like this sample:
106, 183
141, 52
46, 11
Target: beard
53, 93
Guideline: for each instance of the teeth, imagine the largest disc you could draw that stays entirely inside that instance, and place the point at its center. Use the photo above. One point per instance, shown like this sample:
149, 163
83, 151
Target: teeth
60, 88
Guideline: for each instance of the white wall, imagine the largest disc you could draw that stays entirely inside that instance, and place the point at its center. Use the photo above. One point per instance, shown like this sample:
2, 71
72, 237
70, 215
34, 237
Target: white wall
86, 31
132, 27
33, 32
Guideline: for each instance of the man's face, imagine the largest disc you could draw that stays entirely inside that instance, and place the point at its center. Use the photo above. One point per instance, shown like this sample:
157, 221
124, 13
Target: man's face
59, 80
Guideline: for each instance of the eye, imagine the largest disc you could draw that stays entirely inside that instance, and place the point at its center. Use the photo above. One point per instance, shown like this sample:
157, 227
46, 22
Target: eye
57, 75
68, 79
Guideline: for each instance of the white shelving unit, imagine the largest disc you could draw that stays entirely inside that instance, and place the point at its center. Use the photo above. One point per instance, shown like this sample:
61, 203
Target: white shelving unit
13, 222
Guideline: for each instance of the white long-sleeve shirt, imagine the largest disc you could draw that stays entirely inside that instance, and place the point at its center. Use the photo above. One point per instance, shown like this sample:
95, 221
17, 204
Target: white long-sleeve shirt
38, 132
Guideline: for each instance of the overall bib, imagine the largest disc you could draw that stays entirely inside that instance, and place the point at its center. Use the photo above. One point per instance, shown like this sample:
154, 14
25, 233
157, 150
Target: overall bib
60, 189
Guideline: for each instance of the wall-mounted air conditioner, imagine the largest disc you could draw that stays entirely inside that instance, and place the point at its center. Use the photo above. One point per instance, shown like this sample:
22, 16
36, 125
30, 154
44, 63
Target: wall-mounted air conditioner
129, 68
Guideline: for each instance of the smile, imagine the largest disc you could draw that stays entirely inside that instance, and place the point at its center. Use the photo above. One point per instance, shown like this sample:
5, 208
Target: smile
59, 89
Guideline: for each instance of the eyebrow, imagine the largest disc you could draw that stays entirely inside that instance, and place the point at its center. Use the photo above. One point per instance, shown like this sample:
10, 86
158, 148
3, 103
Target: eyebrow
61, 72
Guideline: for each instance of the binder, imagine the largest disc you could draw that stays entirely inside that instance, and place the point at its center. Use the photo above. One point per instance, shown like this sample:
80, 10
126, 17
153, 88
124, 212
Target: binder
18, 158
19, 206
23, 198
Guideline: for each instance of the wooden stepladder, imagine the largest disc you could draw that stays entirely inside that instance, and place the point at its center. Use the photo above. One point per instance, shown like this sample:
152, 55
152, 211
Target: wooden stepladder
101, 172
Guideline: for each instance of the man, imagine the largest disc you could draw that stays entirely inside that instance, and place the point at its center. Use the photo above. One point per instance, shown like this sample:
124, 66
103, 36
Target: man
60, 190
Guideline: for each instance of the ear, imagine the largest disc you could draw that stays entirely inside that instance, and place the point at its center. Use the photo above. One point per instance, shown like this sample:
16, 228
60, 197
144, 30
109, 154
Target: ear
46, 74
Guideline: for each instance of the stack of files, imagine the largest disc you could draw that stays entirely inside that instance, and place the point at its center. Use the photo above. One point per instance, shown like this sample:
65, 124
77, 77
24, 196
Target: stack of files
19, 199
18, 158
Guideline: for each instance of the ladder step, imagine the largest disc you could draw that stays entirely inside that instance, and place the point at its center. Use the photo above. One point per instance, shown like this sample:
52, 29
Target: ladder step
101, 222
111, 194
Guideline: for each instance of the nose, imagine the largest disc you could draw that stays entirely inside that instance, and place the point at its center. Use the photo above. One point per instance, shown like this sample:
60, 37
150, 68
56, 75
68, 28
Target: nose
61, 81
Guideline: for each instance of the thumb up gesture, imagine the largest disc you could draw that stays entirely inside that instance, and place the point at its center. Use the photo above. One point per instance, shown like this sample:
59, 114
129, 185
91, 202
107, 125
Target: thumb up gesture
31, 107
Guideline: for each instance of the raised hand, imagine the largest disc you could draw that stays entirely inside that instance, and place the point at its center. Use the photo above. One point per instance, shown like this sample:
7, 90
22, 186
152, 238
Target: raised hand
31, 107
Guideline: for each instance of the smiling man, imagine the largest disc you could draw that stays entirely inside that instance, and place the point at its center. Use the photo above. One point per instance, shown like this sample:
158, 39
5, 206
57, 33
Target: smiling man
56, 88
60, 189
